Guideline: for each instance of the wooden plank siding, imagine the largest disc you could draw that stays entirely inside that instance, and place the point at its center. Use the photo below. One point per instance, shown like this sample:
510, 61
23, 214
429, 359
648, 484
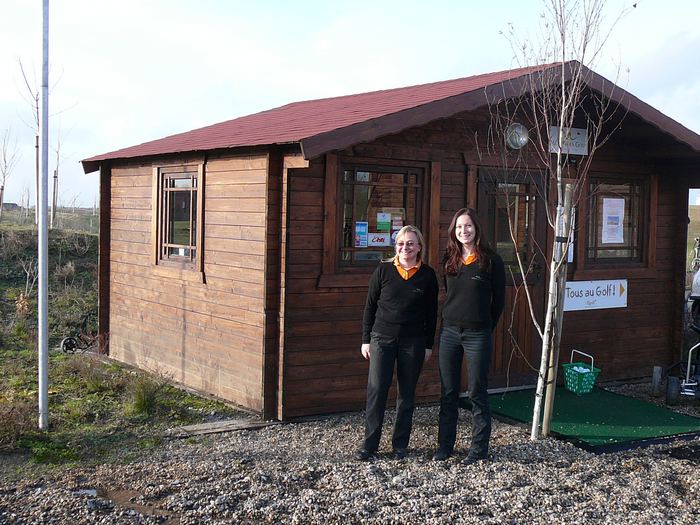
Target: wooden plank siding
209, 336
264, 329
628, 342
324, 371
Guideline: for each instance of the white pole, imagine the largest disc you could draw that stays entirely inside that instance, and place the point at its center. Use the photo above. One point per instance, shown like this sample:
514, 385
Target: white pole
43, 336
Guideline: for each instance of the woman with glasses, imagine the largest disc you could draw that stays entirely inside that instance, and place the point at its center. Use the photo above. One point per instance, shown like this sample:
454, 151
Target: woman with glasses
398, 327
475, 284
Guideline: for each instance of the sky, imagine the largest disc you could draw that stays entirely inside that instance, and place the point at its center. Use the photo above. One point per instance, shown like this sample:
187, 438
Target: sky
125, 72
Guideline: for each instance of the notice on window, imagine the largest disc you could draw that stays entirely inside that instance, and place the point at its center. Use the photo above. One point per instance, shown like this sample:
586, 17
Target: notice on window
383, 222
613, 220
397, 220
379, 239
361, 229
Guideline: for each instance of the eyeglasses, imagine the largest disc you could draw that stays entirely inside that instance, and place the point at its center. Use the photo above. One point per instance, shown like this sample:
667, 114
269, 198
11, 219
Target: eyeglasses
409, 244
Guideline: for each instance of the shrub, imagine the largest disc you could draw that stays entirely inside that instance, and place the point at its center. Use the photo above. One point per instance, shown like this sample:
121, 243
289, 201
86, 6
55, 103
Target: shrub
145, 393
17, 417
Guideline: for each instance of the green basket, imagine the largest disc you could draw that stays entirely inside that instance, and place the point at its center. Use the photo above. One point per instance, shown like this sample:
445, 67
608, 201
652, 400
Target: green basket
577, 381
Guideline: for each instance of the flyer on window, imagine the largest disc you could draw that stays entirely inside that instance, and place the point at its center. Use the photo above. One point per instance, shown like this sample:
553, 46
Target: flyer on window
383, 222
361, 234
613, 221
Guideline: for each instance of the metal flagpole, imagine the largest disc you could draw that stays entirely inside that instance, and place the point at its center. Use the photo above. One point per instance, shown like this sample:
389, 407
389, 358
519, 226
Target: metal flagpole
43, 335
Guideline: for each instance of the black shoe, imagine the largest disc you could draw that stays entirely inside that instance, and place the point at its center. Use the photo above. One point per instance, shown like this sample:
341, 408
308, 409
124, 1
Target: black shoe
473, 458
441, 454
400, 453
363, 454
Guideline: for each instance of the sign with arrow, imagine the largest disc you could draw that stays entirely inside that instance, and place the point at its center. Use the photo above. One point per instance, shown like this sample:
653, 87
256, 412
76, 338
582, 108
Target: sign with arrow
595, 295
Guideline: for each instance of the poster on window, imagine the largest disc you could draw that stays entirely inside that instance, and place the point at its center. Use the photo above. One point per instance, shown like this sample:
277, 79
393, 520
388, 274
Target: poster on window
379, 239
613, 221
361, 234
383, 221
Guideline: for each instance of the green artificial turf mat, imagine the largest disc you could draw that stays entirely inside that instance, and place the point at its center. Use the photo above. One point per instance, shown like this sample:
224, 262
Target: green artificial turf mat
599, 418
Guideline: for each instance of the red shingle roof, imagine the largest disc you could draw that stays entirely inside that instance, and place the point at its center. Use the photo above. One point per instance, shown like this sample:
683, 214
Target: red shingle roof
300, 120
334, 123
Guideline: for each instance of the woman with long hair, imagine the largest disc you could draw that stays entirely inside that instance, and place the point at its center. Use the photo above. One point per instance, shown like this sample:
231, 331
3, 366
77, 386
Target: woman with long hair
475, 285
398, 327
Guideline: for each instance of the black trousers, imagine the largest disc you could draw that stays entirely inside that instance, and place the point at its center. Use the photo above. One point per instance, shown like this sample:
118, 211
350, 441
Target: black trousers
408, 354
477, 346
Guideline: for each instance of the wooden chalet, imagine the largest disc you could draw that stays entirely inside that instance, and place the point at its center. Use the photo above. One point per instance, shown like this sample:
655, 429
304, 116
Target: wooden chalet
235, 258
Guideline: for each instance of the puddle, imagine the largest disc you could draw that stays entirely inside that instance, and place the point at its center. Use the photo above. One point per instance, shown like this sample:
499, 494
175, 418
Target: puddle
689, 452
91, 493
124, 498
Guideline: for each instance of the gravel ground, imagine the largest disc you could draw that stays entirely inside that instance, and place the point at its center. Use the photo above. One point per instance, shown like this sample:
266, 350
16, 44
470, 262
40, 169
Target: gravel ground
304, 472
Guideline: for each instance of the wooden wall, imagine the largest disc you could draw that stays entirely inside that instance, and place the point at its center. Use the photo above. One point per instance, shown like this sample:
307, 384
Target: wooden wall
210, 335
628, 342
322, 367
261, 331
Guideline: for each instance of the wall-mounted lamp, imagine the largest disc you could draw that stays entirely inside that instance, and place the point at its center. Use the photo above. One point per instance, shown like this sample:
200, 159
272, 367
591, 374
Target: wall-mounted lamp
516, 136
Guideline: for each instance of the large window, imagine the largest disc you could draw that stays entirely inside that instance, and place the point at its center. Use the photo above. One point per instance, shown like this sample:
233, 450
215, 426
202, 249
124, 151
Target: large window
178, 220
377, 201
617, 216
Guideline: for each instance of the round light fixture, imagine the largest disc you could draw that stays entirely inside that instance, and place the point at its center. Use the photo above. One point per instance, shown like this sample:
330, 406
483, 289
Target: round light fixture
516, 136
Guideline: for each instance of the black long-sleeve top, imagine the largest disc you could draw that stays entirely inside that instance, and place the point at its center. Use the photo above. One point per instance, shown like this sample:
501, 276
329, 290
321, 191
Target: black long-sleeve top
475, 297
401, 308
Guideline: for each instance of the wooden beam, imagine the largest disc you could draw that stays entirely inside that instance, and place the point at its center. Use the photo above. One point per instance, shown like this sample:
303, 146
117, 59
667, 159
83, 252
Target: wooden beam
472, 187
434, 220
330, 214
103, 258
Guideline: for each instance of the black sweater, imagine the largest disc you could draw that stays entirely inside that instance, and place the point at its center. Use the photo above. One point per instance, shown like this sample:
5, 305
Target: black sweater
475, 297
401, 308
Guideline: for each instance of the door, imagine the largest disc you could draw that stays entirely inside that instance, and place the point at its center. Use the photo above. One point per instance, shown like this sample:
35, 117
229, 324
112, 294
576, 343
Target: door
511, 205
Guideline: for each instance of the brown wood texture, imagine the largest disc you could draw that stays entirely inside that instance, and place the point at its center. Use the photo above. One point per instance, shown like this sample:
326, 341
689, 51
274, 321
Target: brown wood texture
208, 335
276, 327
325, 372
104, 268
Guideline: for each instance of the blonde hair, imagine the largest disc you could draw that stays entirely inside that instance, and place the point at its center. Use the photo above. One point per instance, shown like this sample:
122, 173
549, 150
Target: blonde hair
412, 229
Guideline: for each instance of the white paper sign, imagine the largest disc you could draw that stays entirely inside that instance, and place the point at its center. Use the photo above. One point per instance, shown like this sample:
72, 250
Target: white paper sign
379, 239
613, 217
595, 295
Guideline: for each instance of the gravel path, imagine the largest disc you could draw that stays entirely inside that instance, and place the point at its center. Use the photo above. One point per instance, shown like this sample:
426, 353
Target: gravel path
304, 472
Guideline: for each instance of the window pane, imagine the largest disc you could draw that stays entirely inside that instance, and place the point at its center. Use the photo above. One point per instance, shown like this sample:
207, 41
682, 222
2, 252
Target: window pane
376, 203
615, 221
179, 182
180, 252
179, 213
517, 203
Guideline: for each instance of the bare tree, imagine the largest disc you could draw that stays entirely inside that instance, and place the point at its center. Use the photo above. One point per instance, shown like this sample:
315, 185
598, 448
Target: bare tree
33, 100
559, 96
9, 156
24, 204
54, 200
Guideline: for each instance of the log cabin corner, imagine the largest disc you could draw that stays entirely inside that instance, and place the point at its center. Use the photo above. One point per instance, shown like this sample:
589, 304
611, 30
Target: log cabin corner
235, 258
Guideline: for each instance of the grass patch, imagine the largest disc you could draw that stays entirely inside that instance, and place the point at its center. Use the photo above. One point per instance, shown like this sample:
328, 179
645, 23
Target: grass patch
98, 409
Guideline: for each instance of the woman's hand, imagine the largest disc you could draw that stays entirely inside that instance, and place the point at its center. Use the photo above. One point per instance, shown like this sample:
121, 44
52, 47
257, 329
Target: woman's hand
365, 351
428, 353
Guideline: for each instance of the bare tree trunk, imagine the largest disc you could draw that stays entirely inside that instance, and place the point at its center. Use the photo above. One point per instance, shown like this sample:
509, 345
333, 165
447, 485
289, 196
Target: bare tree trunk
55, 193
559, 317
2, 197
36, 176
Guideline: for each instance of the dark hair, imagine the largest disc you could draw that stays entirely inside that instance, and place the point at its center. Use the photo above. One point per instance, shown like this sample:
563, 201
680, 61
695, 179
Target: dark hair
453, 253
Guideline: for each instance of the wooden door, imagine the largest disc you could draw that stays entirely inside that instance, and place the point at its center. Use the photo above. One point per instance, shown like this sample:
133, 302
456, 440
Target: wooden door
520, 196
